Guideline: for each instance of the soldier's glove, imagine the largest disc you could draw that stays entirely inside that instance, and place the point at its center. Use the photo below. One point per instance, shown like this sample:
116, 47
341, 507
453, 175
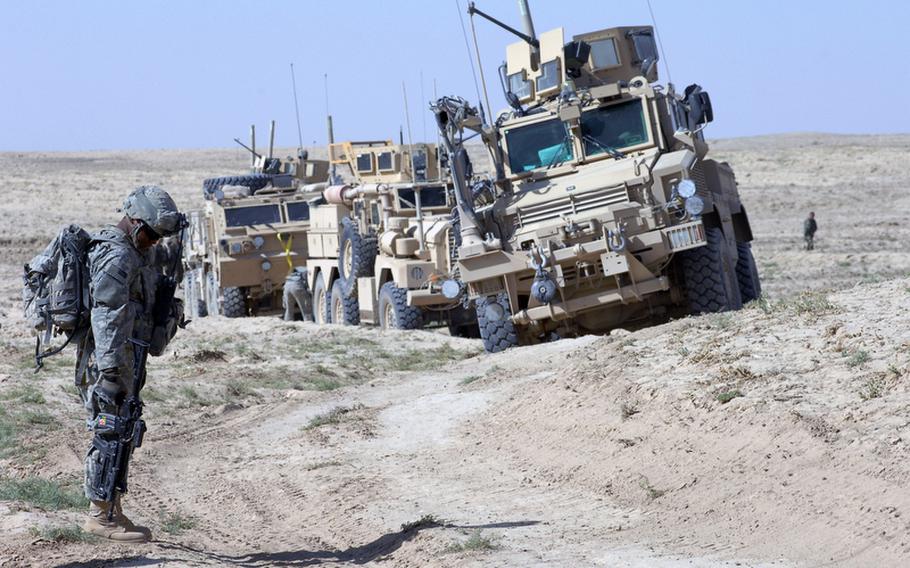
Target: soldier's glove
108, 389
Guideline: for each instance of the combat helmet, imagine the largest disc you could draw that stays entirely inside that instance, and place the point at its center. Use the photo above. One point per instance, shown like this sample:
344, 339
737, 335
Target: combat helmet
153, 206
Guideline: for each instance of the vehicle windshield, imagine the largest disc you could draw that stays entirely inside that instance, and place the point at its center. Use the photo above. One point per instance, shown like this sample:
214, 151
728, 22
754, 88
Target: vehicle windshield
256, 215
538, 145
609, 128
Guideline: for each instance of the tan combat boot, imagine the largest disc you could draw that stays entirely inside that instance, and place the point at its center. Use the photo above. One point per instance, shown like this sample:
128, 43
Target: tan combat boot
118, 528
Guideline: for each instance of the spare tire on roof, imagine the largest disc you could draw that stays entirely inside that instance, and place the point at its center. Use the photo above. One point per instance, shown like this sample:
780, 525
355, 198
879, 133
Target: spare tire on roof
253, 181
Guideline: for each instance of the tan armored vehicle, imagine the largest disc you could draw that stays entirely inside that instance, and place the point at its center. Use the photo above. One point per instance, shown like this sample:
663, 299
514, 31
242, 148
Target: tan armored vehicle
251, 234
607, 210
380, 248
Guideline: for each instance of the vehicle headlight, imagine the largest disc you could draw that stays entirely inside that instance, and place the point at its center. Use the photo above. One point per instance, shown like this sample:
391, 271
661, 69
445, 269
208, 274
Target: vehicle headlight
695, 205
236, 248
451, 289
266, 266
258, 242
686, 188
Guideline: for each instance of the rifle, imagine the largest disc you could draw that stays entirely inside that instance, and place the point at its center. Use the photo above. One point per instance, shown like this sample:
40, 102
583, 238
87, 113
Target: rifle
122, 433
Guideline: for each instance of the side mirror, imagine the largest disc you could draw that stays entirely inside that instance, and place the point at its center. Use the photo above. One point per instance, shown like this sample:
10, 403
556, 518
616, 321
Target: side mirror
698, 106
576, 55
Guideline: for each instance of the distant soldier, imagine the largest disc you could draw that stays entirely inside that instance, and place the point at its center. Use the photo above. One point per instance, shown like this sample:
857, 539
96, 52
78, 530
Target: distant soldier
297, 295
809, 228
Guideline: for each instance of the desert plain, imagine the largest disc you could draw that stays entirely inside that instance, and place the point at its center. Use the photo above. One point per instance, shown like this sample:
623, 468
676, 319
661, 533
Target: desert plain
778, 435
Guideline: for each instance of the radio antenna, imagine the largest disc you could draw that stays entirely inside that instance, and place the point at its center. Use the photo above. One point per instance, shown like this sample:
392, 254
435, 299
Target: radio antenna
467, 46
660, 44
296, 109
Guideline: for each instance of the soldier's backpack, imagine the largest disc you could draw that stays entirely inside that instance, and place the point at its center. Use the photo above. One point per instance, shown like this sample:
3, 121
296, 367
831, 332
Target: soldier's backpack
55, 293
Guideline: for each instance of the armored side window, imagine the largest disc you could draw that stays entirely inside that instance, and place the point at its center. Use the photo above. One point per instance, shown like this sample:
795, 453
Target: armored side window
384, 160
645, 48
603, 53
519, 85
549, 76
298, 211
365, 162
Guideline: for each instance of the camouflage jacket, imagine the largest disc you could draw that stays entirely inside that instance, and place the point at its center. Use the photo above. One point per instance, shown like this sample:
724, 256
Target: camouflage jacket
118, 296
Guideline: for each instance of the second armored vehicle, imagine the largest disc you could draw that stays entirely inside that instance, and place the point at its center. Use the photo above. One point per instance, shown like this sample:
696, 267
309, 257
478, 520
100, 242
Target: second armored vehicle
381, 248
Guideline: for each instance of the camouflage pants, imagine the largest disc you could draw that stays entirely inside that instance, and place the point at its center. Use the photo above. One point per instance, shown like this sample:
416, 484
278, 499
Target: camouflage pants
297, 297
88, 381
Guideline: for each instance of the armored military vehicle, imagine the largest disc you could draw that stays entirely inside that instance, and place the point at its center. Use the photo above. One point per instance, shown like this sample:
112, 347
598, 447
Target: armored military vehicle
381, 248
607, 210
250, 235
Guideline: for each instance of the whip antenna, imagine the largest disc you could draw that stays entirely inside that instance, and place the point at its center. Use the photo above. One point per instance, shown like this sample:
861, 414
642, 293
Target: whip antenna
467, 46
296, 109
660, 44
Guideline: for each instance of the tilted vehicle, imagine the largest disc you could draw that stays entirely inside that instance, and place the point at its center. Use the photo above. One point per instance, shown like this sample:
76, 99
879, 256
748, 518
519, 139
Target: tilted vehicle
251, 234
606, 210
381, 247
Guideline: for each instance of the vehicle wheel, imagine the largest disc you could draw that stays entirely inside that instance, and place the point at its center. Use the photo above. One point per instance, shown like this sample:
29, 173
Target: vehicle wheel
494, 318
253, 181
201, 309
394, 311
356, 255
345, 310
707, 286
234, 302
747, 273
322, 302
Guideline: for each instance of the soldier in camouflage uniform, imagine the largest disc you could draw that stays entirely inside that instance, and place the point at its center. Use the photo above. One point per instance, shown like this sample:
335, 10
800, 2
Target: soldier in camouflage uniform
122, 287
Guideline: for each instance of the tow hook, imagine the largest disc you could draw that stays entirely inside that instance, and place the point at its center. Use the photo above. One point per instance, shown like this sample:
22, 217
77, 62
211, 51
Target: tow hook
543, 288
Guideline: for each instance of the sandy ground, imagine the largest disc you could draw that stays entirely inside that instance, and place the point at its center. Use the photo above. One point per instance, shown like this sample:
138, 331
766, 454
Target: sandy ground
775, 436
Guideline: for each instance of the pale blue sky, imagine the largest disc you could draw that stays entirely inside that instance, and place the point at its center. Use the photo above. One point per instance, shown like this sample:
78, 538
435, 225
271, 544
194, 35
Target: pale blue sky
155, 74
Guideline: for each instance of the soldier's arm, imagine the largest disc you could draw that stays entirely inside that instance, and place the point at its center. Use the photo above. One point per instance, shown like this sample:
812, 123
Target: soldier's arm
112, 314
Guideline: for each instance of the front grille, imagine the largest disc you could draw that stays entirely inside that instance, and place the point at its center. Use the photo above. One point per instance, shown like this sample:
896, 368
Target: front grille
572, 204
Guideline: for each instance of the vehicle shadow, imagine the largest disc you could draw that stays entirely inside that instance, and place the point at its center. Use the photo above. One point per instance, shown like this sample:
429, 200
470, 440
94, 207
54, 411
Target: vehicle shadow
382, 546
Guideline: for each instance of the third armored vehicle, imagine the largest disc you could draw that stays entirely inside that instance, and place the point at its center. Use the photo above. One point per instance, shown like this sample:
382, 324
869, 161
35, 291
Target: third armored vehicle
250, 235
607, 210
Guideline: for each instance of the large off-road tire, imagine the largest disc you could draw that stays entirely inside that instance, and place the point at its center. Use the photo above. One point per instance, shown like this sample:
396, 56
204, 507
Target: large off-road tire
394, 311
322, 301
356, 255
345, 309
253, 181
201, 309
708, 288
234, 302
747, 273
494, 318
